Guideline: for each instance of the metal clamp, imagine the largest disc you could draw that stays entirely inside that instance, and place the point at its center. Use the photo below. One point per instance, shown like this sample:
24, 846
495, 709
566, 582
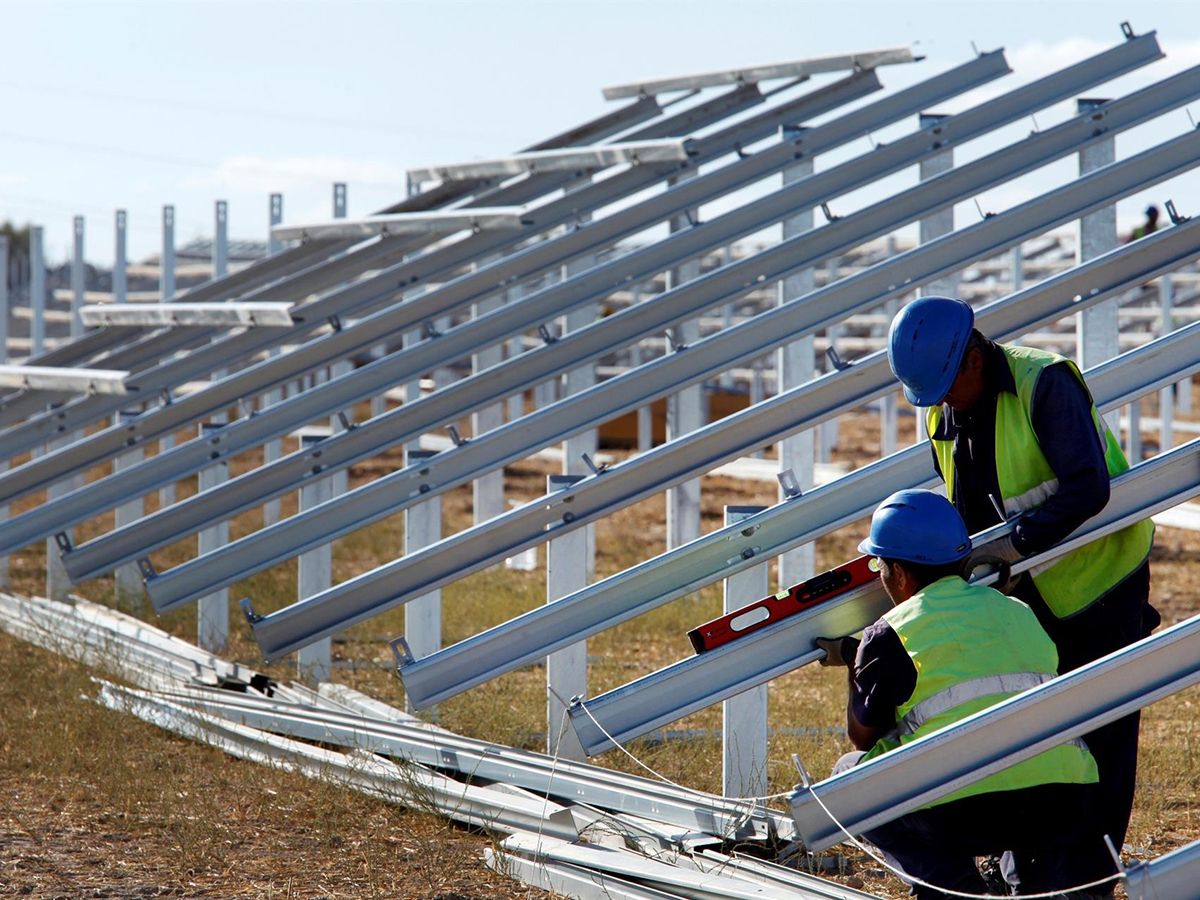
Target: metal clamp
789, 484
146, 569
675, 344
248, 611
458, 439
835, 358
1176, 218
336, 322
545, 335
166, 397
829, 217
428, 330
1127, 30
596, 470
402, 652
347, 425
63, 540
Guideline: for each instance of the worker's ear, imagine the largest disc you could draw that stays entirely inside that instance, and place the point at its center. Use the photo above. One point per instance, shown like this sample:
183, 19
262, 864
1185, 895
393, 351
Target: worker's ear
975, 359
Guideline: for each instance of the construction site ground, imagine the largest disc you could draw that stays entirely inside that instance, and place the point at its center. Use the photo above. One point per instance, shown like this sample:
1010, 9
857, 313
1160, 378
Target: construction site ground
96, 804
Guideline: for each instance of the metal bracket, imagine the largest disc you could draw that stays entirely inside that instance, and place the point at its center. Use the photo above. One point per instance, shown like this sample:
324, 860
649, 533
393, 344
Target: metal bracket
676, 344
829, 217
336, 322
146, 569
835, 358
165, 395
248, 611
787, 481
979, 209
64, 541
1176, 218
458, 439
742, 154
975, 49
1127, 30
545, 335
402, 652
805, 781
347, 425
244, 412
596, 470
429, 331
692, 220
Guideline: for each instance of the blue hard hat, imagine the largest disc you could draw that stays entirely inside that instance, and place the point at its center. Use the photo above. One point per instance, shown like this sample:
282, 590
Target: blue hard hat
926, 344
917, 526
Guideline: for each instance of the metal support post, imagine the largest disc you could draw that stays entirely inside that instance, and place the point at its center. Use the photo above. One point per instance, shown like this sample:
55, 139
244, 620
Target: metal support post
58, 583
4, 580
1166, 396
487, 491
566, 669
37, 292
119, 259
744, 741
577, 380
1133, 443
1096, 328
1018, 268
220, 247
423, 616
314, 663
645, 414
213, 612
1183, 390
827, 431
77, 279
127, 581
273, 449
685, 410
339, 200
340, 478
515, 403
166, 290
796, 364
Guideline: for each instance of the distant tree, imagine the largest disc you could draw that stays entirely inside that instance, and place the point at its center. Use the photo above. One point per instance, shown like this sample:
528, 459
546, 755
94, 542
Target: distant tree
18, 239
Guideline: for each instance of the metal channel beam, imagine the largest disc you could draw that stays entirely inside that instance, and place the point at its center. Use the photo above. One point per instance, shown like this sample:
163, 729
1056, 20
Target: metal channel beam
486, 761
1170, 877
589, 158
369, 380
388, 285
440, 222
994, 739
800, 68
658, 581
73, 381
696, 453
534, 309
700, 681
157, 315
516, 440
294, 260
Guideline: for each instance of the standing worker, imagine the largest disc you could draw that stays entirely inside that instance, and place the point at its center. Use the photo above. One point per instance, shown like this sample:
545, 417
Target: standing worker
1016, 428
947, 650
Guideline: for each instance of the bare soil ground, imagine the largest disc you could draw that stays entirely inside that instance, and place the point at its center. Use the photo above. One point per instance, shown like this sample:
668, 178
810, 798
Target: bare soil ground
95, 804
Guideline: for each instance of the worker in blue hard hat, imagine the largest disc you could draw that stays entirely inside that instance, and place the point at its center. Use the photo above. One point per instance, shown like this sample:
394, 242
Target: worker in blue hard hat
1015, 436
946, 650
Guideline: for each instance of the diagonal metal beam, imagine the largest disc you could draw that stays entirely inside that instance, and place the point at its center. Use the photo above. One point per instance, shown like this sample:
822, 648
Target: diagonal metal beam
700, 681
695, 453
572, 158
441, 221
518, 439
174, 315
1170, 877
719, 554
388, 285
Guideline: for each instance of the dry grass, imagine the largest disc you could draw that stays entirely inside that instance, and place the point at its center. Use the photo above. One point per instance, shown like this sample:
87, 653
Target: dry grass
185, 818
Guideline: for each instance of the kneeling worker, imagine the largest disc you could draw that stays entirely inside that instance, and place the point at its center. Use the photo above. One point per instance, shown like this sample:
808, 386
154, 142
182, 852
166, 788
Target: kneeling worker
947, 650
1016, 428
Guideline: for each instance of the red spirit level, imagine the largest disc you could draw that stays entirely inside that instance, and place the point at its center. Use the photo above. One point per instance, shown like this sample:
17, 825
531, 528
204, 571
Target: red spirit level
797, 598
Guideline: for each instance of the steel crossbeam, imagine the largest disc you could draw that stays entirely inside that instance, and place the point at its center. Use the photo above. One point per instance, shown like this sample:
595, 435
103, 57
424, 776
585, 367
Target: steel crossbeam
700, 681
471, 218
387, 286
539, 307
292, 261
1172, 876
157, 315
718, 555
801, 68
518, 439
571, 158
694, 454
62, 380
1013, 730
483, 760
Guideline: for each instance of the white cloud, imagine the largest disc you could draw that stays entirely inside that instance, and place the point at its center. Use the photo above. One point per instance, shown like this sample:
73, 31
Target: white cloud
263, 175
10, 179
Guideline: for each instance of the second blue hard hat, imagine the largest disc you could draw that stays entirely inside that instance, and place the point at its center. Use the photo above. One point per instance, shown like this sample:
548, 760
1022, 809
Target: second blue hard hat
926, 343
917, 526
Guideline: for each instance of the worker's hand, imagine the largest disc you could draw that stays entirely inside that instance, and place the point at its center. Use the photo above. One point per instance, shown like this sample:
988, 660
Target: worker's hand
998, 554
838, 651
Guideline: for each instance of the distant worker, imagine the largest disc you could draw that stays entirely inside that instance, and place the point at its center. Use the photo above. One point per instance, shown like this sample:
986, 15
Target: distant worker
1016, 428
910, 676
1148, 227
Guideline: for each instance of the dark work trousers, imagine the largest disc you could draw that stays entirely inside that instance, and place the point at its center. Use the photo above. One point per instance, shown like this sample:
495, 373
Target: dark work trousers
1035, 824
1118, 619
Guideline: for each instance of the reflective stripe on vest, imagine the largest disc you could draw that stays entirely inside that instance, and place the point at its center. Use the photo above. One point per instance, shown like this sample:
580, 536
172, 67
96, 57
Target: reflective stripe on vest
958, 694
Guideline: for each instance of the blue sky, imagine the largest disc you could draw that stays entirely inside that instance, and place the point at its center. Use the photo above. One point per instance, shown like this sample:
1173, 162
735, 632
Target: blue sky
133, 105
